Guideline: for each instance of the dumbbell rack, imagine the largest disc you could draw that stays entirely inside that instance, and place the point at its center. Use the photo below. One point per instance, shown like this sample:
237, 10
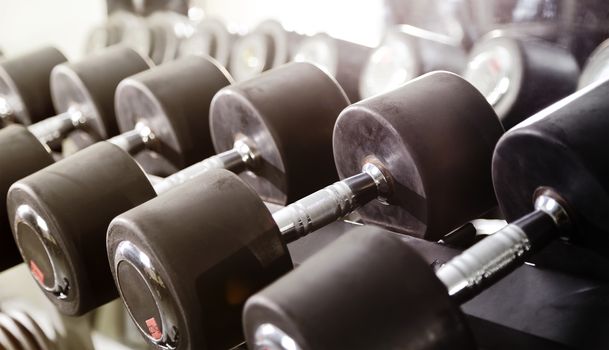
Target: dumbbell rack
533, 308
559, 300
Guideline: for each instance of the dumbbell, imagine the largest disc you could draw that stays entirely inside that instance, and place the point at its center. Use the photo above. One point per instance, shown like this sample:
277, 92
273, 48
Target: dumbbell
578, 28
428, 163
168, 30
267, 46
520, 75
123, 28
99, 37
84, 94
597, 66
211, 37
165, 110
369, 290
25, 96
60, 214
405, 53
343, 60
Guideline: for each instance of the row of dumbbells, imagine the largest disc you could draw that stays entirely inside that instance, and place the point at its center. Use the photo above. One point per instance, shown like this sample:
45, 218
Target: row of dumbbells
416, 160
404, 53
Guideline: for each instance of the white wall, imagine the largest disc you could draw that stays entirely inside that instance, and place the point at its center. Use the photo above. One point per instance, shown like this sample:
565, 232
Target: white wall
355, 20
26, 24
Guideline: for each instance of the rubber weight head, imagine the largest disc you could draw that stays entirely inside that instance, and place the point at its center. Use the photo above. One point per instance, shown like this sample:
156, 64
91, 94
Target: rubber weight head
287, 114
186, 261
564, 147
366, 290
342, 59
284, 41
212, 38
88, 86
435, 137
60, 214
20, 155
24, 83
173, 100
251, 55
168, 30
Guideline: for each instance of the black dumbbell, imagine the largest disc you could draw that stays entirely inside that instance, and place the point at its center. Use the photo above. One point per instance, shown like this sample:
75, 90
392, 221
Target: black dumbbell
163, 114
344, 60
211, 37
25, 95
121, 27
59, 214
267, 46
84, 94
168, 30
579, 28
367, 290
405, 53
99, 37
257, 123
427, 162
520, 75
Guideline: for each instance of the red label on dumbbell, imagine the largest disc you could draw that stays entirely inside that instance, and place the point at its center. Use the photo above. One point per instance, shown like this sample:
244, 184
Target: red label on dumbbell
153, 328
36, 272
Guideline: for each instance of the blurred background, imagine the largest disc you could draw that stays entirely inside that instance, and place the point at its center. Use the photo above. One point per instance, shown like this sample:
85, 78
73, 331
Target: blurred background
25, 24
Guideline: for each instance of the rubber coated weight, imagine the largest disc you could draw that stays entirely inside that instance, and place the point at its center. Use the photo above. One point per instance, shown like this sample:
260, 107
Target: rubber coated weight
435, 136
180, 103
366, 290
540, 74
100, 37
343, 60
212, 38
168, 29
251, 55
284, 41
24, 83
268, 46
173, 101
130, 30
405, 53
571, 156
288, 114
72, 202
20, 154
205, 262
89, 85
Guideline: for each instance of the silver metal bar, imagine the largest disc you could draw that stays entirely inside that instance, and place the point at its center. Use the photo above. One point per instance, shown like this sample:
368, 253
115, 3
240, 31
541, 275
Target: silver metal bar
215, 162
242, 156
329, 204
52, 130
478, 266
484, 259
131, 141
